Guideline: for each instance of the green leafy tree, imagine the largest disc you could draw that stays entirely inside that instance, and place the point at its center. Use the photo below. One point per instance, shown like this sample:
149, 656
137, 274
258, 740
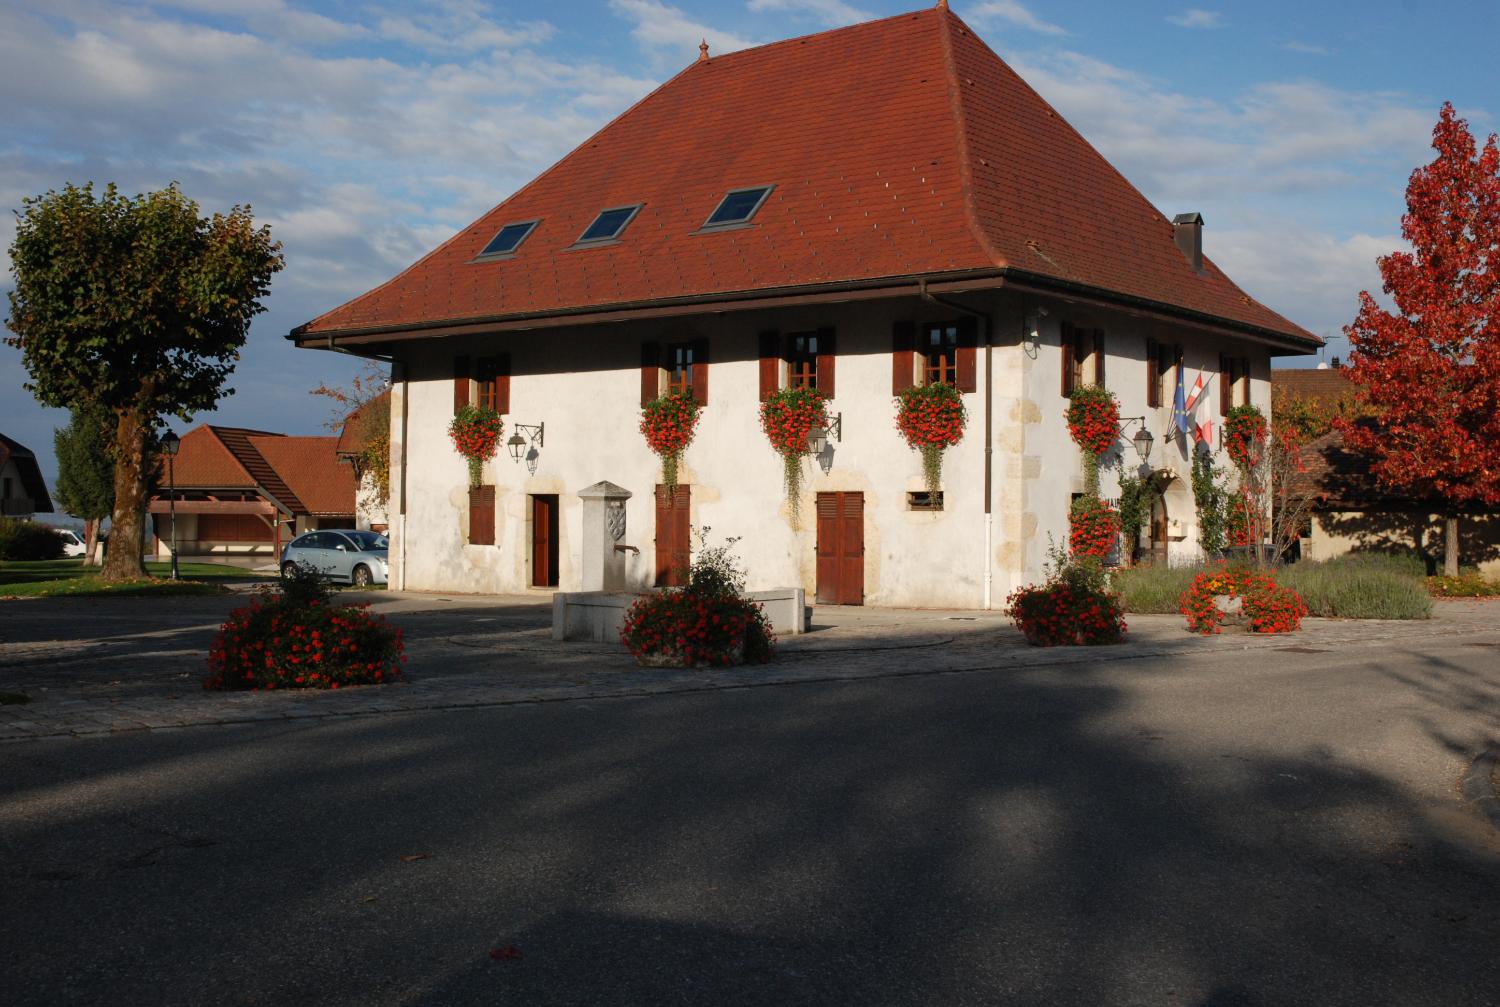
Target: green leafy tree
138, 307
86, 471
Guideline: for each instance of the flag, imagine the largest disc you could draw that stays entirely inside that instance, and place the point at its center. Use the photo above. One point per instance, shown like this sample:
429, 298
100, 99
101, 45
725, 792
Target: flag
1192, 402
1179, 407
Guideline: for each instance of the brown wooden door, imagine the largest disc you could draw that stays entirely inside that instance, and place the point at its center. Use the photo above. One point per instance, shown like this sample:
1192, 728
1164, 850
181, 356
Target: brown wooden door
544, 540
1157, 554
841, 549
674, 536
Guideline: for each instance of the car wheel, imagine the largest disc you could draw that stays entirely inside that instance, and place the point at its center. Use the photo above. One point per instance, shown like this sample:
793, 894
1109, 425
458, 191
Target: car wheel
289, 569
361, 576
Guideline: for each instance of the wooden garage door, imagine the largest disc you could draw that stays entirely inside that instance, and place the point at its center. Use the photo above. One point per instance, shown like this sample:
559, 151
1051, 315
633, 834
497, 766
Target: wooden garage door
841, 548
232, 528
674, 536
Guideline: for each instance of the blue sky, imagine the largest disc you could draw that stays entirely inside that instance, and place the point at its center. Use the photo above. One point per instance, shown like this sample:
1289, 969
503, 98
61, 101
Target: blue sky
365, 133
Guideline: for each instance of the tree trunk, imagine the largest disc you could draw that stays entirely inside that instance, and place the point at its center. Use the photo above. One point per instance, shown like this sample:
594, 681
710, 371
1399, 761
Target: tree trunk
91, 541
1450, 546
127, 534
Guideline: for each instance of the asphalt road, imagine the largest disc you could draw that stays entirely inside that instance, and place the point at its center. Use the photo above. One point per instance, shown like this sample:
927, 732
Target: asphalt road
1235, 829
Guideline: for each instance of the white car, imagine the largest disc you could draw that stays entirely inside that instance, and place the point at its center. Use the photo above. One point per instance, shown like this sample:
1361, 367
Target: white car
74, 547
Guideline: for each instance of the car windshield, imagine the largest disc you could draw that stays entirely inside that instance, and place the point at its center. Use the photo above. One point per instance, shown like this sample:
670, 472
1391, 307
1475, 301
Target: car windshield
368, 541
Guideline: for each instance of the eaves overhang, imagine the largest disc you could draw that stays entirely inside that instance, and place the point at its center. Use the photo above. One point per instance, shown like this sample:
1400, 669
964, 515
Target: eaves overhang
954, 282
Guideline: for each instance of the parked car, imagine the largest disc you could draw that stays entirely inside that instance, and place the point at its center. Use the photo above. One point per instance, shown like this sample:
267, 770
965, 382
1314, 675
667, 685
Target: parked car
74, 547
358, 557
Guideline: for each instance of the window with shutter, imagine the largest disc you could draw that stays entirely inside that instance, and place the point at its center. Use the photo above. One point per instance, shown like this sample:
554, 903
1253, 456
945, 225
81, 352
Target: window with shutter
939, 347
492, 383
802, 354
700, 371
650, 372
1226, 384
481, 515
1245, 381
770, 364
1099, 357
827, 358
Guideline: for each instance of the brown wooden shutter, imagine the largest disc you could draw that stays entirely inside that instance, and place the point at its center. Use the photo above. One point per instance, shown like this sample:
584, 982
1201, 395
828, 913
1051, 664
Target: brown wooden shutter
481, 515
903, 356
1245, 377
502, 383
1153, 374
1226, 384
700, 371
460, 383
674, 535
650, 373
827, 353
1099, 357
770, 364
967, 377
1069, 347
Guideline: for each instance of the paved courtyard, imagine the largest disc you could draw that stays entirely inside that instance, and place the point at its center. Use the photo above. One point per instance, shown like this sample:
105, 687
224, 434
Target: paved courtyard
907, 808
109, 665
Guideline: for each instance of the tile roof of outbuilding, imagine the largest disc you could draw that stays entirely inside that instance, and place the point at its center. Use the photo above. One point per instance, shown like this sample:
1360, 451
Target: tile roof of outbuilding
301, 474
902, 147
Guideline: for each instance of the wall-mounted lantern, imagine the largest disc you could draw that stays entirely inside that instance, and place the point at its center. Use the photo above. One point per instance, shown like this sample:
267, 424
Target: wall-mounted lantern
524, 443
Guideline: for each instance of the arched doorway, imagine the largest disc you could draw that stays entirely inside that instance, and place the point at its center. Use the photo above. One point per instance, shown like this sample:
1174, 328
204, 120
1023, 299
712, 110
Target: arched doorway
1156, 529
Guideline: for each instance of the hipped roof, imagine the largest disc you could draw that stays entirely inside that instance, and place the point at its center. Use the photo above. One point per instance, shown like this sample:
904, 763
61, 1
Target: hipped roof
901, 148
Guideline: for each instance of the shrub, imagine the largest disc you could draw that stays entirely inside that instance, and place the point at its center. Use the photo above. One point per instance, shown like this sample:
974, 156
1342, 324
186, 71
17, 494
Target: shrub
1268, 607
28, 541
1469, 585
1073, 606
294, 639
1361, 586
708, 622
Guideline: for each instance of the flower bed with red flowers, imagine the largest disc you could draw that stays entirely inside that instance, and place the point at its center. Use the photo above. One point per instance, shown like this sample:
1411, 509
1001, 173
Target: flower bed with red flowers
297, 640
475, 432
1267, 606
708, 622
1093, 528
1093, 418
931, 418
1063, 613
1244, 436
787, 417
668, 424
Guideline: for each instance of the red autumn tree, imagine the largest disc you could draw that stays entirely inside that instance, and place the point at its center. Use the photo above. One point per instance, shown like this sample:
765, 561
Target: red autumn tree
1431, 369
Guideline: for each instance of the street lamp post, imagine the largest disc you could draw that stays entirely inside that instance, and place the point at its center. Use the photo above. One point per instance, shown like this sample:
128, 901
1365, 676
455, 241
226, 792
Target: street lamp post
169, 445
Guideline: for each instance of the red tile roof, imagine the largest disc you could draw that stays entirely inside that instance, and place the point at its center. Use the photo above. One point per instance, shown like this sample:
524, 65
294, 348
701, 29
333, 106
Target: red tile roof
302, 475
311, 469
1328, 387
899, 148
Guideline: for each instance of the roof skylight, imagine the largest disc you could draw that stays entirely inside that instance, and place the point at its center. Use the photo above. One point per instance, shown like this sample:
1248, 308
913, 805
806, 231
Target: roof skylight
738, 206
509, 239
608, 225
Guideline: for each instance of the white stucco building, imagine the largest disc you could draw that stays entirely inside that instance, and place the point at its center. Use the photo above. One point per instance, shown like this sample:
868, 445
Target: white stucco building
861, 210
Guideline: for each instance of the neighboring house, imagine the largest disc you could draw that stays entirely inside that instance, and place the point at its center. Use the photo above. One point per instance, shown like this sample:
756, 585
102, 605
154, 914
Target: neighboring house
354, 439
1351, 512
244, 491
23, 492
888, 204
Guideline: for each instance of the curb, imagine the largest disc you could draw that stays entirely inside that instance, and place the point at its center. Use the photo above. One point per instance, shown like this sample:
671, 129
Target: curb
1479, 788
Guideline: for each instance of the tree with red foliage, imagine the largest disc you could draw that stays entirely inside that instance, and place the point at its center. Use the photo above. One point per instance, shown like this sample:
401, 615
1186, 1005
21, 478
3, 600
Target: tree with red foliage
1431, 369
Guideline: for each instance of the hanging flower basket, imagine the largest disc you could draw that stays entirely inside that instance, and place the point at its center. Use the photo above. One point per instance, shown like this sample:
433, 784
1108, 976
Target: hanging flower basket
475, 431
1094, 423
1244, 436
668, 424
931, 418
787, 417
1093, 528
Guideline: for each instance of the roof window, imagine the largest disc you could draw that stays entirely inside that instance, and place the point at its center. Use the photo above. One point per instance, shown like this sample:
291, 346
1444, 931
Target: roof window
738, 206
508, 240
608, 225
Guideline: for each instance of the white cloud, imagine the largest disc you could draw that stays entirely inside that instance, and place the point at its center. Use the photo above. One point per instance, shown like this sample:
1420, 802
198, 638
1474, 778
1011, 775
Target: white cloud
1196, 17
832, 13
658, 26
1012, 12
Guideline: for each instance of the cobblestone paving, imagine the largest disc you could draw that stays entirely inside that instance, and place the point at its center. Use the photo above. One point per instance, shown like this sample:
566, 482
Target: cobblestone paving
97, 666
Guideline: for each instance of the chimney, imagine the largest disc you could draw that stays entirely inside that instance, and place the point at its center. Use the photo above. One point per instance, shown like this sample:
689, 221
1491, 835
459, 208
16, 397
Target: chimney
1187, 228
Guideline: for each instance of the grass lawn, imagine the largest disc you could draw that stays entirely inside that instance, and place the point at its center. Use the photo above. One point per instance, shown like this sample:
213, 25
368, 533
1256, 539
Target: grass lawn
70, 577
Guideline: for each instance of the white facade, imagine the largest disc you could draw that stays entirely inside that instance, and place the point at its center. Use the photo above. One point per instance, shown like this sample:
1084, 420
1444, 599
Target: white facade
583, 383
